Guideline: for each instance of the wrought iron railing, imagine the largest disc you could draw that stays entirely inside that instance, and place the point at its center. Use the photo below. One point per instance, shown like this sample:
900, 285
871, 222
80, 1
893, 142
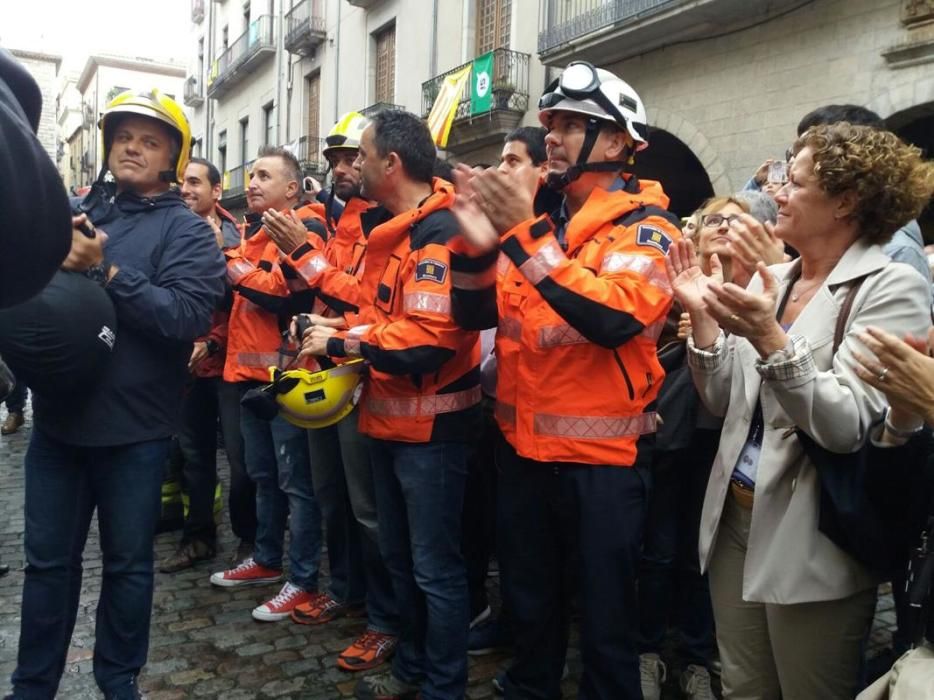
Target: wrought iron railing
258, 36
307, 17
237, 179
379, 107
563, 21
510, 85
193, 92
309, 151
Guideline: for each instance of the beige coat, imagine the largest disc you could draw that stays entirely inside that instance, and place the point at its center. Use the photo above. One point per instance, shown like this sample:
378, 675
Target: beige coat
788, 560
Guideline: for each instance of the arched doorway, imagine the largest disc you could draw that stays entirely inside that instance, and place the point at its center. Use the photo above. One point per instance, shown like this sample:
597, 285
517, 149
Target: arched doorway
672, 163
916, 126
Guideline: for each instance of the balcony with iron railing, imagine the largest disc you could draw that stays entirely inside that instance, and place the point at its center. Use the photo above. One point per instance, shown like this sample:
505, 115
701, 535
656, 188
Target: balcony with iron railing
193, 92
309, 150
607, 31
243, 56
236, 180
197, 11
377, 107
304, 27
510, 100
365, 4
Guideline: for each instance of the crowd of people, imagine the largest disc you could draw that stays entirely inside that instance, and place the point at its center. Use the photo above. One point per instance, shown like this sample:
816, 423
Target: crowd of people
552, 366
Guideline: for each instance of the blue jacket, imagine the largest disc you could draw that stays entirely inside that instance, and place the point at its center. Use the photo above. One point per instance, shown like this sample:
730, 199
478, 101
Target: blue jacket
170, 279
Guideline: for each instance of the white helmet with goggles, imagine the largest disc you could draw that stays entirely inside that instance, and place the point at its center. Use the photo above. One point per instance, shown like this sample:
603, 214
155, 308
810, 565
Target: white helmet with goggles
600, 96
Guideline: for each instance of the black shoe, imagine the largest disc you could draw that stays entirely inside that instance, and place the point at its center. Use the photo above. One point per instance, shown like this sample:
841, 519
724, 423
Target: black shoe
128, 692
4, 570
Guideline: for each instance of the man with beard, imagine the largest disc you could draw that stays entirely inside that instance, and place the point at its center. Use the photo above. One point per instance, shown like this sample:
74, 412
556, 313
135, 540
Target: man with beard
340, 459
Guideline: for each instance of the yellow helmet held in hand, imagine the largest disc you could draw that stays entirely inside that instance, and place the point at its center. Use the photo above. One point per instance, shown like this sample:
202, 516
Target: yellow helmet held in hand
346, 133
317, 399
157, 106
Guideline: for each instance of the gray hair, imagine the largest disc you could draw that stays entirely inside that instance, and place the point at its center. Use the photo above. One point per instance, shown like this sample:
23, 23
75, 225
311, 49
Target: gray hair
761, 205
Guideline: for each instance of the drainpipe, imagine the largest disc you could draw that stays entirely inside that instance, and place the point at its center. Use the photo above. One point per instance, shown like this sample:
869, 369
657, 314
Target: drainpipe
433, 58
280, 51
208, 102
337, 62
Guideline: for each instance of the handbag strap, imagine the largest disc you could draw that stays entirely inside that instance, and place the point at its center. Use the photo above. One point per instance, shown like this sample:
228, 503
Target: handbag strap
844, 315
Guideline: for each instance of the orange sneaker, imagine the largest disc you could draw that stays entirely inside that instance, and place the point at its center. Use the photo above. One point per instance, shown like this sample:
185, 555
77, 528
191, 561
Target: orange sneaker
368, 651
323, 608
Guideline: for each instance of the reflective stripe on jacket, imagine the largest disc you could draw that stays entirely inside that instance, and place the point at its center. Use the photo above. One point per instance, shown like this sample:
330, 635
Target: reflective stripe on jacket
576, 328
423, 381
266, 295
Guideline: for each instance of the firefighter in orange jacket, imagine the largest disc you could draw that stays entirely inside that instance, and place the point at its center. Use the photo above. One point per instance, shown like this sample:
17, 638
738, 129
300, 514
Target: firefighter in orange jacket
340, 460
266, 295
420, 403
579, 300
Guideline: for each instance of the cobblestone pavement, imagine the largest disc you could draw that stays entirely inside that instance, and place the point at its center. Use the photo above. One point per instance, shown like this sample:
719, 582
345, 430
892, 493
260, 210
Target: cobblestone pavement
204, 643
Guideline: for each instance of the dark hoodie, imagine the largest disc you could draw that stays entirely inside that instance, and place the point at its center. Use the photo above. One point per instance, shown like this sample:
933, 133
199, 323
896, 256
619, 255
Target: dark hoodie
171, 277
35, 227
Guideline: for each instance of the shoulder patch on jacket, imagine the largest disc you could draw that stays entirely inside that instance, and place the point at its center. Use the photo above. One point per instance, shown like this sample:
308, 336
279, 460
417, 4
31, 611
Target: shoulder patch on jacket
653, 236
432, 270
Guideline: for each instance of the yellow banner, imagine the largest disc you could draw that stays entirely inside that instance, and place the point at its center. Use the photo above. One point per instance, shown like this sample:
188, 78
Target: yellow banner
442, 111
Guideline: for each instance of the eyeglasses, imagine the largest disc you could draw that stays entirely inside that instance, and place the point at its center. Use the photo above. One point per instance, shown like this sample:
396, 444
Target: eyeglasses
717, 219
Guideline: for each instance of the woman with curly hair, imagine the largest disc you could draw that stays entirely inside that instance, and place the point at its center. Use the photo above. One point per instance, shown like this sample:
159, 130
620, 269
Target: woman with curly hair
792, 608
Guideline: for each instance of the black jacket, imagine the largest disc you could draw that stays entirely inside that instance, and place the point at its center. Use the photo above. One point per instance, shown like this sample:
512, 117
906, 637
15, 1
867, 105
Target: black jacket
35, 223
170, 279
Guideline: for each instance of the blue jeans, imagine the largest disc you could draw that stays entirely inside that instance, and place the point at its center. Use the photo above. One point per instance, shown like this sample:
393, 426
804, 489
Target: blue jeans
64, 484
276, 455
419, 498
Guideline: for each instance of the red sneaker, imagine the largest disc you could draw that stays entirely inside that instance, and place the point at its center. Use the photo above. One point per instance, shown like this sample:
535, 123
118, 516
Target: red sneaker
368, 651
282, 605
323, 608
248, 573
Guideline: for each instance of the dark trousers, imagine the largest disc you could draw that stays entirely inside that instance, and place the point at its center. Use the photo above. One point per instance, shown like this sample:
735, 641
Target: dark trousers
672, 590
347, 584
419, 497
207, 401
479, 537
559, 518
16, 399
64, 485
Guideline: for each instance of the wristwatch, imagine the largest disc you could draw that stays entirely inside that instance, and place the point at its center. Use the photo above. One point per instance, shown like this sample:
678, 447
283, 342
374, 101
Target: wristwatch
98, 273
213, 347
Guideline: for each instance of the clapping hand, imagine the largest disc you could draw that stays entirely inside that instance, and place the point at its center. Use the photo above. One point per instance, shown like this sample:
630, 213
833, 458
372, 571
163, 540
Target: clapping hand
902, 370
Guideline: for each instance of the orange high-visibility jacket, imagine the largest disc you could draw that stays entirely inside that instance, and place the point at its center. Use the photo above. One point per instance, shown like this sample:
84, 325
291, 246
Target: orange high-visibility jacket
424, 380
334, 273
576, 328
266, 296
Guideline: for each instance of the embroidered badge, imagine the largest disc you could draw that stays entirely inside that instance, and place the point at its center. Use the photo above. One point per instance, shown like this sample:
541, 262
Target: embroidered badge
655, 237
432, 270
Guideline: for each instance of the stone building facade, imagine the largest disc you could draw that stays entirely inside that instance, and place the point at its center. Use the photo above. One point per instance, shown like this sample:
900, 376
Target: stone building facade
725, 81
44, 68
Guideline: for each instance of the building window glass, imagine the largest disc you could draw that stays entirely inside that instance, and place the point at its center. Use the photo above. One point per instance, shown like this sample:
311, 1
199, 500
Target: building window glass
386, 64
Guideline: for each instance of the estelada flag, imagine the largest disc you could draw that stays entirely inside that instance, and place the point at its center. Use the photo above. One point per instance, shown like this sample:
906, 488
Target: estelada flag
442, 112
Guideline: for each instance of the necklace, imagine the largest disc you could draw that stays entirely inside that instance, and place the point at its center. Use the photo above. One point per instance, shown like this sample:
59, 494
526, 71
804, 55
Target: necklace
799, 294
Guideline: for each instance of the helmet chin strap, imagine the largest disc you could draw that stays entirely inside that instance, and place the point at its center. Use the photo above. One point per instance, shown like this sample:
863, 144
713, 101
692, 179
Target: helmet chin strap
558, 181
